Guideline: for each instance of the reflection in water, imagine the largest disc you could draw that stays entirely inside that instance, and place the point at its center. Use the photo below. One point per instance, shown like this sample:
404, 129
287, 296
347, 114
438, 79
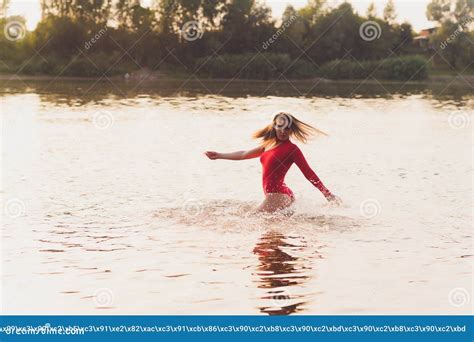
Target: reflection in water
280, 271
81, 92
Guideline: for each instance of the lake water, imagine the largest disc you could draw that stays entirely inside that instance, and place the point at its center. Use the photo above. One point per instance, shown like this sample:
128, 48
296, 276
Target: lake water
110, 206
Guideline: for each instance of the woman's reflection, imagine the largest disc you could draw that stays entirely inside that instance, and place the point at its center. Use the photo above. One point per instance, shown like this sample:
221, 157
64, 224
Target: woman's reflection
279, 272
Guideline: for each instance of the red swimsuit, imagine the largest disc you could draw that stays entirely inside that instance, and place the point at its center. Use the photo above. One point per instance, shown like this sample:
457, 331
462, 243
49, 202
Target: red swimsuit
276, 163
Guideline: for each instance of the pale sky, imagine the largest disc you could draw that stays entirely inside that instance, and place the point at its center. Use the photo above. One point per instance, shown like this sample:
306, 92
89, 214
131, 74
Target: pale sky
412, 11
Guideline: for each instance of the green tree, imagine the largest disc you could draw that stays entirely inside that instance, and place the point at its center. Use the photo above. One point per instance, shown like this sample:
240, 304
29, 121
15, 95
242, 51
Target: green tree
313, 11
245, 25
60, 36
452, 10
130, 15
95, 12
334, 34
389, 14
294, 28
371, 11
453, 38
439, 10
173, 14
91, 13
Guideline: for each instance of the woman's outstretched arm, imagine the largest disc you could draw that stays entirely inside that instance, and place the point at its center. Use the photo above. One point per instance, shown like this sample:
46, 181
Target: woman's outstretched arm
310, 175
239, 155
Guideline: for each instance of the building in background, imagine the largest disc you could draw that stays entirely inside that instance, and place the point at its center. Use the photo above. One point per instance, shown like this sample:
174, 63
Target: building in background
423, 39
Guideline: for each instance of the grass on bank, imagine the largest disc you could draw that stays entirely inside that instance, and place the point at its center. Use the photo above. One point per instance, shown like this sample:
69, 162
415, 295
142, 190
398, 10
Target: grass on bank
264, 66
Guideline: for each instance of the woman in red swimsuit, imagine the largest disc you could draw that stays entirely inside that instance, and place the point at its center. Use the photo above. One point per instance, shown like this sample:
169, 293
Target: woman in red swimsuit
277, 153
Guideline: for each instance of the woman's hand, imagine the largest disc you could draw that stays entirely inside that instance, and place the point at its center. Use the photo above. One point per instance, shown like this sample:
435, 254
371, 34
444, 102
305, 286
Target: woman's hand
333, 199
212, 155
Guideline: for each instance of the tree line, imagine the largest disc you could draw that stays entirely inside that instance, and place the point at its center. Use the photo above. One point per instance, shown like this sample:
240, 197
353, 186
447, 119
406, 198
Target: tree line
93, 37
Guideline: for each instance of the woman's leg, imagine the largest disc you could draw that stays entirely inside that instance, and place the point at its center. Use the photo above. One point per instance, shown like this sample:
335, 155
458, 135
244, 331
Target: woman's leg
274, 202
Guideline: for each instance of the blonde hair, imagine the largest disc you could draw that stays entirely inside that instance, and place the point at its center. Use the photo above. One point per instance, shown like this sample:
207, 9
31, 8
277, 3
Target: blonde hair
298, 129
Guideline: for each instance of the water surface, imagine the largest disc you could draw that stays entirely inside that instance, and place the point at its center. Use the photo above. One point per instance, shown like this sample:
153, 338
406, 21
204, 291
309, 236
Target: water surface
111, 206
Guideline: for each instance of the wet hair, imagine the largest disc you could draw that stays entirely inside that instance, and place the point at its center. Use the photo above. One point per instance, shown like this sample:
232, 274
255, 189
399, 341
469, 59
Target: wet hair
282, 120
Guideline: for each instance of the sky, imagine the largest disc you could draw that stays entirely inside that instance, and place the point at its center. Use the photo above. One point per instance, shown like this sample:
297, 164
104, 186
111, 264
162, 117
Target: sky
412, 11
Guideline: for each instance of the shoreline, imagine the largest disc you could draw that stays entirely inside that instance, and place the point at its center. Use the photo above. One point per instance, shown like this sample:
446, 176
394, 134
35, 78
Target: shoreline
466, 80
